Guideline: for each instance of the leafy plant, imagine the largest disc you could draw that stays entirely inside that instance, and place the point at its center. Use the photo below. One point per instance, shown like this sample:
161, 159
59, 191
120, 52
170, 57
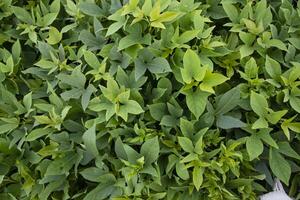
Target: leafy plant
148, 99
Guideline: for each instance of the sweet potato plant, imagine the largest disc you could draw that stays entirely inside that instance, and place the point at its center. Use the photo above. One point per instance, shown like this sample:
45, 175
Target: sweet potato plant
149, 99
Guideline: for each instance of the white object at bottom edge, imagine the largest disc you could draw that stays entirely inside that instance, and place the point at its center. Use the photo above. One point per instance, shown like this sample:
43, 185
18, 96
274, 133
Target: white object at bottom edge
277, 194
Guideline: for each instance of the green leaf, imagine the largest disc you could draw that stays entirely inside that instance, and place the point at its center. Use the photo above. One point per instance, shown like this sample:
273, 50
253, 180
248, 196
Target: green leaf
187, 36
114, 28
90, 40
55, 6
228, 101
294, 127
192, 69
211, 80
119, 149
91, 59
273, 68
101, 192
251, 68
286, 149
92, 174
168, 120
150, 150
295, 103
54, 36
274, 117
246, 51
33, 36
133, 107
128, 41
146, 61
231, 11
197, 177
264, 134
45, 64
49, 18
167, 16
181, 171
254, 147
132, 155
260, 123
196, 101
76, 79
228, 122
89, 140
16, 51
8, 124
51, 187
278, 44
187, 128
38, 133
140, 69
62, 165
295, 42
90, 9
86, 95
159, 65
158, 110
259, 104
27, 100
22, 15
4, 128
186, 144
247, 38
279, 166
147, 7
146, 99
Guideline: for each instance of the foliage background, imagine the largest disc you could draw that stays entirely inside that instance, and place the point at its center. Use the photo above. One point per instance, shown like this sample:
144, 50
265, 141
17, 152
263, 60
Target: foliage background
110, 99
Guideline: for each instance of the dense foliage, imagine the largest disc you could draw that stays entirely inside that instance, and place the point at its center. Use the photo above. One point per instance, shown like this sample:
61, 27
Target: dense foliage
148, 99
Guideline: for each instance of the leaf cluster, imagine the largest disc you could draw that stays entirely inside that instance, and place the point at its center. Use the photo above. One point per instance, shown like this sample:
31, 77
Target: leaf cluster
148, 99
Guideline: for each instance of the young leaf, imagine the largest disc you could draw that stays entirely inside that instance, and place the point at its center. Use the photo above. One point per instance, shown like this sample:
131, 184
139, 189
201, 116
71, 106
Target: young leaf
192, 70
197, 177
54, 36
211, 80
260, 123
